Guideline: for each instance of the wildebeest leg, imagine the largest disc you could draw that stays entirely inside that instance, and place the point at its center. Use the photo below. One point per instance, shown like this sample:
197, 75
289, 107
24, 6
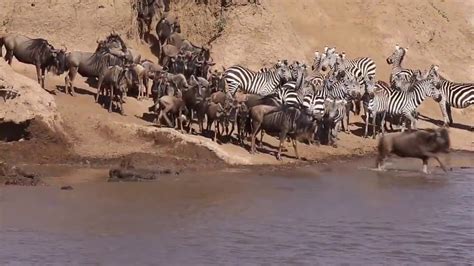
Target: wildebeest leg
121, 104
432, 155
99, 85
256, 128
111, 97
9, 56
69, 80
425, 166
295, 146
260, 144
38, 74
43, 76
282, 141
216, 130
165, 115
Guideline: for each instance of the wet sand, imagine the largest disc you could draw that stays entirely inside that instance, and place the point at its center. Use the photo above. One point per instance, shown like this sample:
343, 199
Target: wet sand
338, 212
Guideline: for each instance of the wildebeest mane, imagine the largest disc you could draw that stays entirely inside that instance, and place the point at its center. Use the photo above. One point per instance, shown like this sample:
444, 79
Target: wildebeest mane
102, 59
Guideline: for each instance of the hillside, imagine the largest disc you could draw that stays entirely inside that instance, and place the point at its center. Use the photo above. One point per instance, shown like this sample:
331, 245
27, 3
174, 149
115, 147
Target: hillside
436, 31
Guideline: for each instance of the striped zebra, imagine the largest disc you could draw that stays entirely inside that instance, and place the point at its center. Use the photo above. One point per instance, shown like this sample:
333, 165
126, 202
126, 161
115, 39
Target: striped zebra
387, 100
453, 94
396, 59
261, 83
316, 77
362, 68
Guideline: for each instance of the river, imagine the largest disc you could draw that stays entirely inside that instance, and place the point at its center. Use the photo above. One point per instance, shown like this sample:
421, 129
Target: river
337, 213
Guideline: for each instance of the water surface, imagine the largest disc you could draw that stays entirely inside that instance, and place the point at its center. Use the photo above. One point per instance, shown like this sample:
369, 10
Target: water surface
338, 213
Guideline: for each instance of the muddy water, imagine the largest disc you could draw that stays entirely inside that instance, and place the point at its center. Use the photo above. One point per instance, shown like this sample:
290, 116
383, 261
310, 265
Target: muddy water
337, 213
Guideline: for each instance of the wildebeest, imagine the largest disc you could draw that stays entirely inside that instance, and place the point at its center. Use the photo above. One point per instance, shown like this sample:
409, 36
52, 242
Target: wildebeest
91, 65
38, 52
118, 79
170, 105
422, 144
146, 10
167, 26
281, 121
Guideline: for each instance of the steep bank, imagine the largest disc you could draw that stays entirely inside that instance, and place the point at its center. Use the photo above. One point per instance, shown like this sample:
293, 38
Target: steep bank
436, 32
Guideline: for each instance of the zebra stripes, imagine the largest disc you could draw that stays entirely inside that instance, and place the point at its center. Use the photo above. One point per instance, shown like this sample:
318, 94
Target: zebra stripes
386, 100
261, 83
457, 95
396, 59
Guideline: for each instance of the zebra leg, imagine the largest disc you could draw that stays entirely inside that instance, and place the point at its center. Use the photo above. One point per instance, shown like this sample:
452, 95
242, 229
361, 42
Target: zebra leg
448, 112
412, 121
374, 125
382, 123
260, 144
366, 124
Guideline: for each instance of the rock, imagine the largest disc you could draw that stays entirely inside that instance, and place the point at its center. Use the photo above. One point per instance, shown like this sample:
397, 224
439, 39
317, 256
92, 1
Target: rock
67, 188
32, 101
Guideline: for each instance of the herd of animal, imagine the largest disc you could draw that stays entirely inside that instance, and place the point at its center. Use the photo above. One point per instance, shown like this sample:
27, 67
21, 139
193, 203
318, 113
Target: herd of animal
289, 100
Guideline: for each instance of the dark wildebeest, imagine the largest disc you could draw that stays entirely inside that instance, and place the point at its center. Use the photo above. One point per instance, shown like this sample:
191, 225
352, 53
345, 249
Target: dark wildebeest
194, 99
118, 80
422, 144
146, 10
37, 52
281, 121
110, 52
165, 27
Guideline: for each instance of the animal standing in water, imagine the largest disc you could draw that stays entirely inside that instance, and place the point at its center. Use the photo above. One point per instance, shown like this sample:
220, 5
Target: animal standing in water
422, 144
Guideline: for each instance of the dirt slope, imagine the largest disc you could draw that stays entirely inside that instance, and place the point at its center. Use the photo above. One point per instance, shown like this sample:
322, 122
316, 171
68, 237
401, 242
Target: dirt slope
440, 32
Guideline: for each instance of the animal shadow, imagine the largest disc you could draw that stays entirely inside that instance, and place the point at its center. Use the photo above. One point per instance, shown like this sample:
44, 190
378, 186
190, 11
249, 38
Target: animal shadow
440, 123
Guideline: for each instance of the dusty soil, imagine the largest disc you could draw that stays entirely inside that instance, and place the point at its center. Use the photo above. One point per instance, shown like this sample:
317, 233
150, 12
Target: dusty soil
251, 35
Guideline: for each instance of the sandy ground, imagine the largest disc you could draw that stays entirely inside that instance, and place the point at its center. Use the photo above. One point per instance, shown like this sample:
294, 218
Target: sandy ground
290, 29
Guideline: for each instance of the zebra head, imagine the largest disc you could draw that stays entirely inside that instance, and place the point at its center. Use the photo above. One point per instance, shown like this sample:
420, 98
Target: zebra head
317, 61
283, 71
353, 87
397, 55
429, 88
329, 59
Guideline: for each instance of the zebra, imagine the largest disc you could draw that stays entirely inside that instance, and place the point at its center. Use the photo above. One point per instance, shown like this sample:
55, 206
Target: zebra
316, 77
396, 59
261, 83
453, 94
362, 68
387, 100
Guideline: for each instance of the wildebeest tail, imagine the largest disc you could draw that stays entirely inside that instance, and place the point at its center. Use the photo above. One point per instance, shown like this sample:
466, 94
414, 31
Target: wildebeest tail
1, 44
